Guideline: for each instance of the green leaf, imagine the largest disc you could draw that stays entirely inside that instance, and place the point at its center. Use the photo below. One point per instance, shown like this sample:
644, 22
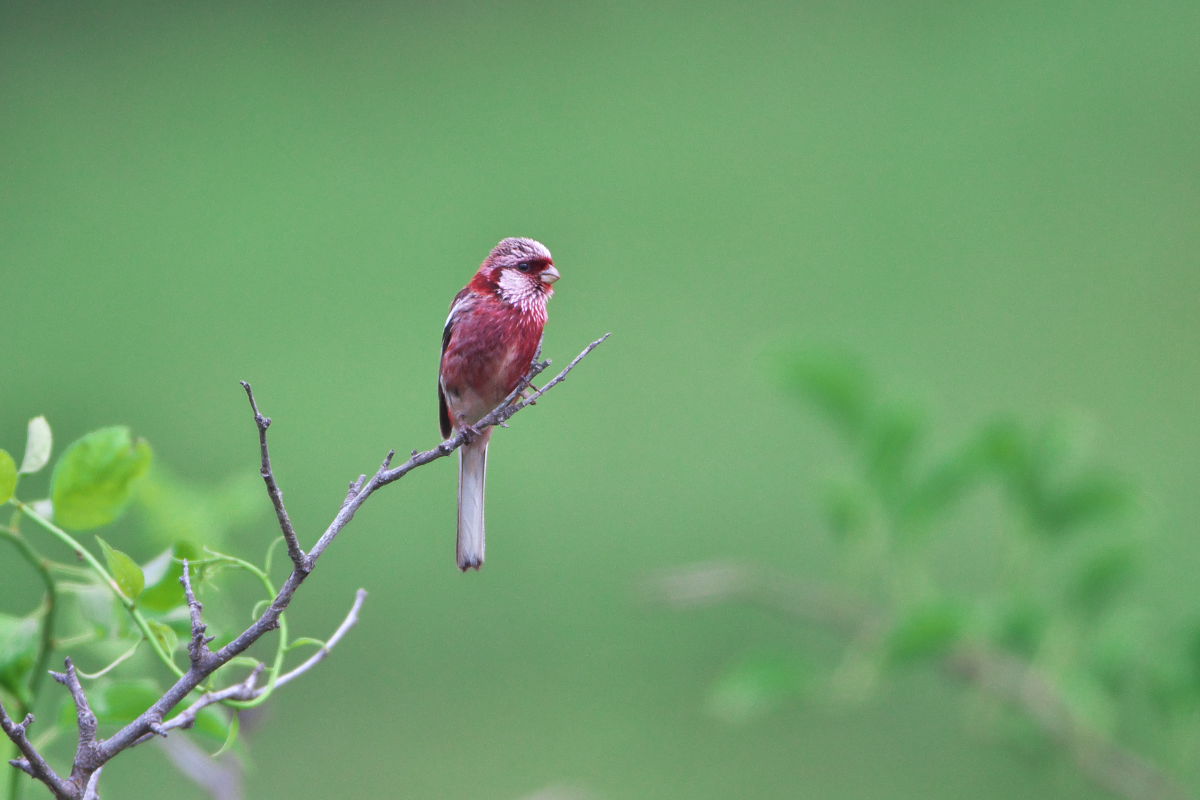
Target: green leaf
837, 387
163, 589
38, 442
1101, 578
214, 722
945, 484
1021, 627
894, 436
1091, 498
165, 635
848, 512
927, 632
304, 641
8, 476
125, 571
95, 477
235, 723
756, 685
18, 650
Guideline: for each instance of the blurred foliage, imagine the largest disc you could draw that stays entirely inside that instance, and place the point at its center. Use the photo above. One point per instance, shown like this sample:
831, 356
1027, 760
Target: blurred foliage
128, 617
1058, 599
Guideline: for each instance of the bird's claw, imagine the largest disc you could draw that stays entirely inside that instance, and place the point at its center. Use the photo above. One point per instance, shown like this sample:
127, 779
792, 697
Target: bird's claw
470, 433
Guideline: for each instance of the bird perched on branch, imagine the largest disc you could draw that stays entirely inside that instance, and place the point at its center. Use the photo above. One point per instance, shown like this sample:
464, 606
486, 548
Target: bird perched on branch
491, 337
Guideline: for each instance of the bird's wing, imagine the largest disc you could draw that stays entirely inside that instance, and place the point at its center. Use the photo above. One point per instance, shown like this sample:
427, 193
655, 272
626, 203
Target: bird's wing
460, 301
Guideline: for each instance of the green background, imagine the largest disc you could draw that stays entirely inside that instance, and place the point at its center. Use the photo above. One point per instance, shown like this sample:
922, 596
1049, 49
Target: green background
996, 205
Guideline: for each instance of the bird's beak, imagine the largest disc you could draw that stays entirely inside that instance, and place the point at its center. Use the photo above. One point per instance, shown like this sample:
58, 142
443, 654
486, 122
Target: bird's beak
550, 274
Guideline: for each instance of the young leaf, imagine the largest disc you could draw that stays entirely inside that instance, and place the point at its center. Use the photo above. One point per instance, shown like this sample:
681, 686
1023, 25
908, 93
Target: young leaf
214, 721
231, 737
1101, 578
8, 476
163, 590
891, 445
945, 484
1091, 498
124, 569
755, 685
38, 442
94, 478
18, 649
1021, 627
165, 635
838, 387
847, 512
927, 632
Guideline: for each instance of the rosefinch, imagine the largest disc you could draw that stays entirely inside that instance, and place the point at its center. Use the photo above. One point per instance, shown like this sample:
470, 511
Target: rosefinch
491, 336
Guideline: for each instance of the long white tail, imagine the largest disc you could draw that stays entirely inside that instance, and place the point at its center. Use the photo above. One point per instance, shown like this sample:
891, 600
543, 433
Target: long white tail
472, 474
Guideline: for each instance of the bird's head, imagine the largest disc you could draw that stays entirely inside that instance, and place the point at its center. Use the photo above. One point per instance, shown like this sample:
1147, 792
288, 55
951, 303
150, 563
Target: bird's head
520, 270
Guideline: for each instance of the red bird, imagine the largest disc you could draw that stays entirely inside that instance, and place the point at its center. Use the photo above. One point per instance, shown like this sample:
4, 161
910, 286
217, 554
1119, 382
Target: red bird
491, 336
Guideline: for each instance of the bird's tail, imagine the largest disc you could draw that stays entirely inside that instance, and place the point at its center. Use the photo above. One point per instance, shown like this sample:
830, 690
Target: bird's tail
472, 473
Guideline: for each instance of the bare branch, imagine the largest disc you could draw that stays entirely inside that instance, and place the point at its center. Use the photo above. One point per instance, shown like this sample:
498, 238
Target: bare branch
85, 719
198, 649
93, 754
88, 757
560, 377
246, 690
1102, 760
384, 476
91, 791
316, 658
32, 763
276, 494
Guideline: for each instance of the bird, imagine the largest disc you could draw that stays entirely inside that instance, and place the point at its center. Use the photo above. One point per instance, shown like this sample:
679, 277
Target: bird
492, 334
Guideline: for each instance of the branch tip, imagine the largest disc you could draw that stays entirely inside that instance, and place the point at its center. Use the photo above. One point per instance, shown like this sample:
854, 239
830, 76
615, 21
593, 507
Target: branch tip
295, 552
198, 650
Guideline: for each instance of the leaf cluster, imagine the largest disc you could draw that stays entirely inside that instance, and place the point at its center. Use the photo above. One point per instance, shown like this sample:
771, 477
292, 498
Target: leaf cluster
1011, 543
117, 605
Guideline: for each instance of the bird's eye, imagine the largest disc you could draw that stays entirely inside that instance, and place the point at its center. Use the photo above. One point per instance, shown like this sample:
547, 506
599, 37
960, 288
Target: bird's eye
524, 266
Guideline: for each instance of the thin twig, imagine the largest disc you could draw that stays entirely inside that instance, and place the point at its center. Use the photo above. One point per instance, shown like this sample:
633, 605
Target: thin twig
316, 658
562, 376
1104, 761
198, 649
88, 756
86, 718
276, 494
91, 791
32, 763
246, 690
383, 477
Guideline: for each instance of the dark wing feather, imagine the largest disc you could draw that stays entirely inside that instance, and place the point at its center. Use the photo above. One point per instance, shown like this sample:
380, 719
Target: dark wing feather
447, 332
